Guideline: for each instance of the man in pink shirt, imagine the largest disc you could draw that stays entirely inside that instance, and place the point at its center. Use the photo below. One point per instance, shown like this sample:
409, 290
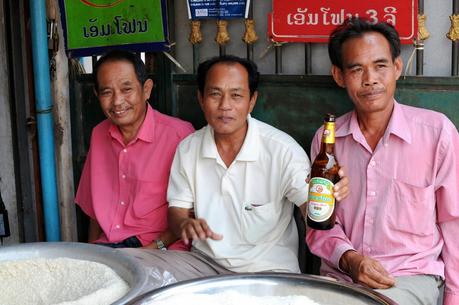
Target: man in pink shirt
397, 230
124, 180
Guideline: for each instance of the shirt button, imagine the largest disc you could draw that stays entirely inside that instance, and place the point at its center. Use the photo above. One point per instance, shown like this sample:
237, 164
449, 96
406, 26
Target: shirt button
123, 176
117, 226
122, 203
373, 163
372, 194
125, 150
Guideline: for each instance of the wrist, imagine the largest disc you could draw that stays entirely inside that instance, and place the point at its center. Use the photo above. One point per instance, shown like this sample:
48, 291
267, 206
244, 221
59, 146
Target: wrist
160, 244
344, 262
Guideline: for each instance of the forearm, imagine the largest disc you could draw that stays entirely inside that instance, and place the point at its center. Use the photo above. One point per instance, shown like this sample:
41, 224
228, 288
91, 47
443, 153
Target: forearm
329, 245
94, 230
176, 218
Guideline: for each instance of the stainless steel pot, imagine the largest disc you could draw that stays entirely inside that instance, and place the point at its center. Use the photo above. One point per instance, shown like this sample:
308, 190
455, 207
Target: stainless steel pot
126, 267
319, 289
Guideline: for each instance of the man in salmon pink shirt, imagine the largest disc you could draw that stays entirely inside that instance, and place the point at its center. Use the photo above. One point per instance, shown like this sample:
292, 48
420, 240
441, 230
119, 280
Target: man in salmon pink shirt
397, 230
124, 180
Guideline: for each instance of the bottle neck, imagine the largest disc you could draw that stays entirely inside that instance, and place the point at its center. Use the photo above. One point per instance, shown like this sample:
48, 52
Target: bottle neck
328, 148
328, 137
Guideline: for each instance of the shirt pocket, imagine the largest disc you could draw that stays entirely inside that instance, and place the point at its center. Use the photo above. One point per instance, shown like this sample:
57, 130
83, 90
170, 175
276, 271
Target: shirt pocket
149, 196
258, 221
413, 208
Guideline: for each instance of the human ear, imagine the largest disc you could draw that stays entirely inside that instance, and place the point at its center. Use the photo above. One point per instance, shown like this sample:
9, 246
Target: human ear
147, 88
253, 101
337, 74
398, 64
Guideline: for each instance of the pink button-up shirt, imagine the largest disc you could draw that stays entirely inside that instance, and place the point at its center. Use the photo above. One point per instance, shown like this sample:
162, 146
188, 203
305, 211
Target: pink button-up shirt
403, 208
124, 187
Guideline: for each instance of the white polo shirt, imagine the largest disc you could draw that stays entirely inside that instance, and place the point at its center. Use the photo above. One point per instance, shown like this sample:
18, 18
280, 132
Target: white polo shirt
249, 202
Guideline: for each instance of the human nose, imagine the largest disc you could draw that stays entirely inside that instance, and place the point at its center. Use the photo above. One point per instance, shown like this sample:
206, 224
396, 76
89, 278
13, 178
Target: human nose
118, 98
225, 102
369, 78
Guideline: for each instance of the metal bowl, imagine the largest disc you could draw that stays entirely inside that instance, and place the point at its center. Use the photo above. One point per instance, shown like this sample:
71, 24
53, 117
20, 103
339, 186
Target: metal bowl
126, 267
319, 289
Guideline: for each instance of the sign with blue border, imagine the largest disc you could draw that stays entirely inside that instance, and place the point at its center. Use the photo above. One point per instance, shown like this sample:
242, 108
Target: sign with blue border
218, 9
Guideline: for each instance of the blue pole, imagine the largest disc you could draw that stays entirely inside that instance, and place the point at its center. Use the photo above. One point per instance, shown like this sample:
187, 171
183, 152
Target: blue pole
44, 107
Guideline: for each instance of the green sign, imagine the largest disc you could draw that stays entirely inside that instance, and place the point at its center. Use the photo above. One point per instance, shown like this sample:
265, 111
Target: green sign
90, 24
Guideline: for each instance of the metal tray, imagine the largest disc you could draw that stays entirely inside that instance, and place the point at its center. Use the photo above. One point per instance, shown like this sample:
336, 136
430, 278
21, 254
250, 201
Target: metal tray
126, 267
320, 289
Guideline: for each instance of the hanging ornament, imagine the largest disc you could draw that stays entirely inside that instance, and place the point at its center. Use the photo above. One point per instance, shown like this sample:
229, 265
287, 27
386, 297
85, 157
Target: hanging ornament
423, 33
195, 34
250, 36
453, 33
222, 32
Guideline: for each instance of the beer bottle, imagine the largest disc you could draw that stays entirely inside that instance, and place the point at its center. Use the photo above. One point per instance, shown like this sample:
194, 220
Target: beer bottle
324, 175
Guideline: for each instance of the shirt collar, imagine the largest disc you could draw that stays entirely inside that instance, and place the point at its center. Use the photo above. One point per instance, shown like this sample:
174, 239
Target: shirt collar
397, 126
146, 132
249, 150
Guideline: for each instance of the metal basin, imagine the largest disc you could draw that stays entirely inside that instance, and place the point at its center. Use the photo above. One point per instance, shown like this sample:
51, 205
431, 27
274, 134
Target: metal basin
126, 267
319, 289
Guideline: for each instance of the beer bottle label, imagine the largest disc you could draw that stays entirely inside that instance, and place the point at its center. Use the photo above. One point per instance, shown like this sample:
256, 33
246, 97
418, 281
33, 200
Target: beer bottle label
320, 199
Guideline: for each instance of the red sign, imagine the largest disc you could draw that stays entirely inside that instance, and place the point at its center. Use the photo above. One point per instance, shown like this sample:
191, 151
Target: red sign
314, 20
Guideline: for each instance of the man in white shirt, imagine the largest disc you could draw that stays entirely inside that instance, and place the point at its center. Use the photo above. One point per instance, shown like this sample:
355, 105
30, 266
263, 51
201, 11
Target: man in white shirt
233, 182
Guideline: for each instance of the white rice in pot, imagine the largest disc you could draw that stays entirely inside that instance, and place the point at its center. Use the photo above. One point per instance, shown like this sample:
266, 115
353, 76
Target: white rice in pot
59, 281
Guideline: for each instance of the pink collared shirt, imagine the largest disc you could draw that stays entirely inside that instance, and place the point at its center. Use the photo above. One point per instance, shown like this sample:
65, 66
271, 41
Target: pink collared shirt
124, 187
403, 207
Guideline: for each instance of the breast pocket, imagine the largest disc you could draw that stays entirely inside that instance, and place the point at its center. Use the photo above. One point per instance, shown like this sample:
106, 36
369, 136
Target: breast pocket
148, 197
258, 221
413, 211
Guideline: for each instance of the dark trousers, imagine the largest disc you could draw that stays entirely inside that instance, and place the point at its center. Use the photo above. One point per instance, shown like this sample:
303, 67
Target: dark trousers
130, 242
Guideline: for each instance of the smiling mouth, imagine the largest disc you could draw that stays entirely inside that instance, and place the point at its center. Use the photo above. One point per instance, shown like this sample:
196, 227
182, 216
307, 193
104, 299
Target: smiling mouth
119, 112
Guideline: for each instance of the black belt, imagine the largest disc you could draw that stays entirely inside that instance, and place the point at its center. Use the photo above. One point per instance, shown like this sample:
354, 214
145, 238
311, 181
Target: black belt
130, 242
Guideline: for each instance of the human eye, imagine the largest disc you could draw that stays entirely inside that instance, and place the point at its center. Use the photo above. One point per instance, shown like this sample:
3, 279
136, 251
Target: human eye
356, 70
104, 92
127, 89
214, 93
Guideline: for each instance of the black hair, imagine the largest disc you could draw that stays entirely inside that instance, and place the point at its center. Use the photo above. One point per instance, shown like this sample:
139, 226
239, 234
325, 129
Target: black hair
249, 65
121, 55
357, 27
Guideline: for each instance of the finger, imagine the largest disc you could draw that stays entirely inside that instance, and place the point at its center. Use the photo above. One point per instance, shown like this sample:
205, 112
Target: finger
207, 232
382, 276
216, 236
185, 238
200, 227
211, 234
341, 189
342, 171
374, 284
341, 184
190, 231
377, 277
342, 194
